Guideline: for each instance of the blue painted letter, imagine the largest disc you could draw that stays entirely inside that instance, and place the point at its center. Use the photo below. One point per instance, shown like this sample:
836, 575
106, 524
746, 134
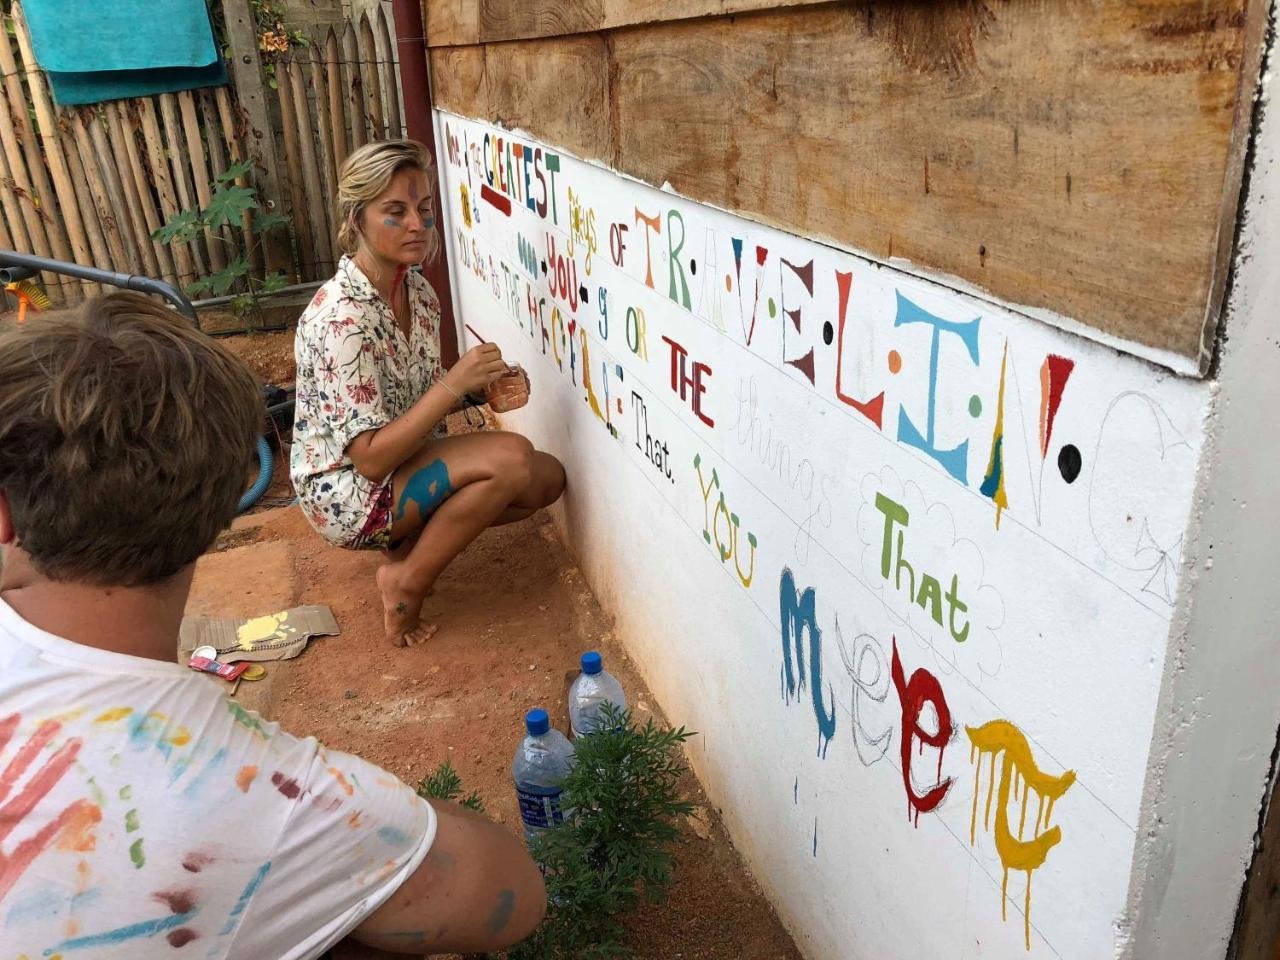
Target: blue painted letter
797, 612
955, 460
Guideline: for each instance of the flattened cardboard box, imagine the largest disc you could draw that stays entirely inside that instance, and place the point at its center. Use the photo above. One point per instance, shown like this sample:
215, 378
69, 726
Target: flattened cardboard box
276, 636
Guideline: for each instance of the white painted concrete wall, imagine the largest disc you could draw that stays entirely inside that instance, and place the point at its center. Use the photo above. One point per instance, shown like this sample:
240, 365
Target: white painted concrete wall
740, 412
1218, 715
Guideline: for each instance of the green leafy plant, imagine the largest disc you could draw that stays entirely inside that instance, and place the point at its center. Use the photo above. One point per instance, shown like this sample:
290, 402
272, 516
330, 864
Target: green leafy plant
228, 205
445, 784
615, 846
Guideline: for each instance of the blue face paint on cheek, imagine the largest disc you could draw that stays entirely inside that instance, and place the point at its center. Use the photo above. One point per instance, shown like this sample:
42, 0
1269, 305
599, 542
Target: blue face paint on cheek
428, 223
428, 488
389, 222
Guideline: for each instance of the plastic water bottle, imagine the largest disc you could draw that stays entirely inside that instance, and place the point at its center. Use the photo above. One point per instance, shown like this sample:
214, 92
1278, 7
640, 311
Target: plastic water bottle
592, 690
542, 762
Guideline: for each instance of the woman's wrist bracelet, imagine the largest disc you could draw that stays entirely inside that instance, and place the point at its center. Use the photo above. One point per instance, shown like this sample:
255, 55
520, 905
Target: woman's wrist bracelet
457, 396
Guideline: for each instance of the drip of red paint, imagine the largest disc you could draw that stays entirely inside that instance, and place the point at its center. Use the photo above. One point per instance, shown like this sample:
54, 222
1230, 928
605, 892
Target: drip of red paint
1053, 380
761, 255
922, 688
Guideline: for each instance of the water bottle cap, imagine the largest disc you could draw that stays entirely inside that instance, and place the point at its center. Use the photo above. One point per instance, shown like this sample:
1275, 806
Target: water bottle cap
537, 722
591, 663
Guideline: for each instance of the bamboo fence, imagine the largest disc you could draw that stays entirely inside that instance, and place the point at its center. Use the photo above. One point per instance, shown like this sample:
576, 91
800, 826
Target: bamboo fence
92, 184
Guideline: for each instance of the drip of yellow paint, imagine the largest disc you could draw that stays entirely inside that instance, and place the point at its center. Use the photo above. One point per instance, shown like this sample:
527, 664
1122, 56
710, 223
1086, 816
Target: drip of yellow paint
1004, 896
586, 378
991, 792
1026, 913
1001, 737
977, 778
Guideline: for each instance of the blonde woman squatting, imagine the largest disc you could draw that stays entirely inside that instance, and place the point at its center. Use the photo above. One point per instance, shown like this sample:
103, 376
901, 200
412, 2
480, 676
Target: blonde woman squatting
371, 462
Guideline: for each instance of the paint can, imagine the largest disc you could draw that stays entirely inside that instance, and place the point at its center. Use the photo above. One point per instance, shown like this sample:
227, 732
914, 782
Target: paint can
510, 391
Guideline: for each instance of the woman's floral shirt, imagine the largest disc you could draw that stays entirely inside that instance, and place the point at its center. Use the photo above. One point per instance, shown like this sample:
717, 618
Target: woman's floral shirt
356, 372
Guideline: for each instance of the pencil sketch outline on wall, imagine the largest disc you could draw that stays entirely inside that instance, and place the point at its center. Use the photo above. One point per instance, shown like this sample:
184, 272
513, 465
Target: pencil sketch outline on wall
974, 608
1123, 504
875, 688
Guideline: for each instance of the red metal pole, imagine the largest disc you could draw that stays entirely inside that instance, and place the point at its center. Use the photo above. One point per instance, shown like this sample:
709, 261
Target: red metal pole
415, 81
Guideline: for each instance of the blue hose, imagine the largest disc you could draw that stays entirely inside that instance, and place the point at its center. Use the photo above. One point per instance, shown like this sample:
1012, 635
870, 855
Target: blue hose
254, 493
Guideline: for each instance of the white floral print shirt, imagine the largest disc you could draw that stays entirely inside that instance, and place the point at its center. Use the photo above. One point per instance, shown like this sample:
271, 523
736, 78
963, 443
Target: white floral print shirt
356, 372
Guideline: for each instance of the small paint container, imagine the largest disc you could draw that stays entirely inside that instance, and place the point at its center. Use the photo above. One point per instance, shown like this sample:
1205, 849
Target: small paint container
207, 652
509, 392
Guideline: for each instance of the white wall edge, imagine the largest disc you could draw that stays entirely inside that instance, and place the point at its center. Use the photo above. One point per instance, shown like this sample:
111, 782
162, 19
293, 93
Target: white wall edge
1219, 708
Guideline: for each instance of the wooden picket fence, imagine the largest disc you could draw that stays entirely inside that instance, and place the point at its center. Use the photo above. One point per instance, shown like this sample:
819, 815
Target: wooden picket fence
335, 95
91, 184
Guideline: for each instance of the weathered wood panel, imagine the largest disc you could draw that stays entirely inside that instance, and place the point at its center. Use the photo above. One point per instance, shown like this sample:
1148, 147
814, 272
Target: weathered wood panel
557, 90
514, 19
564, 84
451, 22
458, 80
1077, 159
1257, 933
462, 22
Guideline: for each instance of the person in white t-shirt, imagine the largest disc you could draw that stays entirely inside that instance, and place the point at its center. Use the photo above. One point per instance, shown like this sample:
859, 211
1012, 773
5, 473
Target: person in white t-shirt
143, 813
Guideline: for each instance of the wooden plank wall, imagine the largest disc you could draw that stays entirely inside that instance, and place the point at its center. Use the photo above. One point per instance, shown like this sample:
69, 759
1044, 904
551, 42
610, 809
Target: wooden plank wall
1257, 933
1080, 159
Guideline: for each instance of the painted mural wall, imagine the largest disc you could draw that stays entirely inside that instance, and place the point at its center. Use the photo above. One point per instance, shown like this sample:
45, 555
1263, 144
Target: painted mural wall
906, 560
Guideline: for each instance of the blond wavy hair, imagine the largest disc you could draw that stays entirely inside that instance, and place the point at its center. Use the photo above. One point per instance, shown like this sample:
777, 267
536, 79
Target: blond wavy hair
364, 177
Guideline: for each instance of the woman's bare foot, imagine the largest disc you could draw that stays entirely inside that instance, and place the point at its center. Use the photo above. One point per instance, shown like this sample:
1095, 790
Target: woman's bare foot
401, 610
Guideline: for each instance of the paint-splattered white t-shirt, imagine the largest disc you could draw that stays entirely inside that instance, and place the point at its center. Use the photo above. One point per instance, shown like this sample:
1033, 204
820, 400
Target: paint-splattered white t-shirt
144, 814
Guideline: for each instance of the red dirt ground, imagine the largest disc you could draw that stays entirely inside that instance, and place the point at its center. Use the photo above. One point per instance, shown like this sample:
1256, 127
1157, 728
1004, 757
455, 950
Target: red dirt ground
514, 616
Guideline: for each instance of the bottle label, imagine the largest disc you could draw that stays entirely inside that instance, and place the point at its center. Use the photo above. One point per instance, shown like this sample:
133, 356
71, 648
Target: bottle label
539, 806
